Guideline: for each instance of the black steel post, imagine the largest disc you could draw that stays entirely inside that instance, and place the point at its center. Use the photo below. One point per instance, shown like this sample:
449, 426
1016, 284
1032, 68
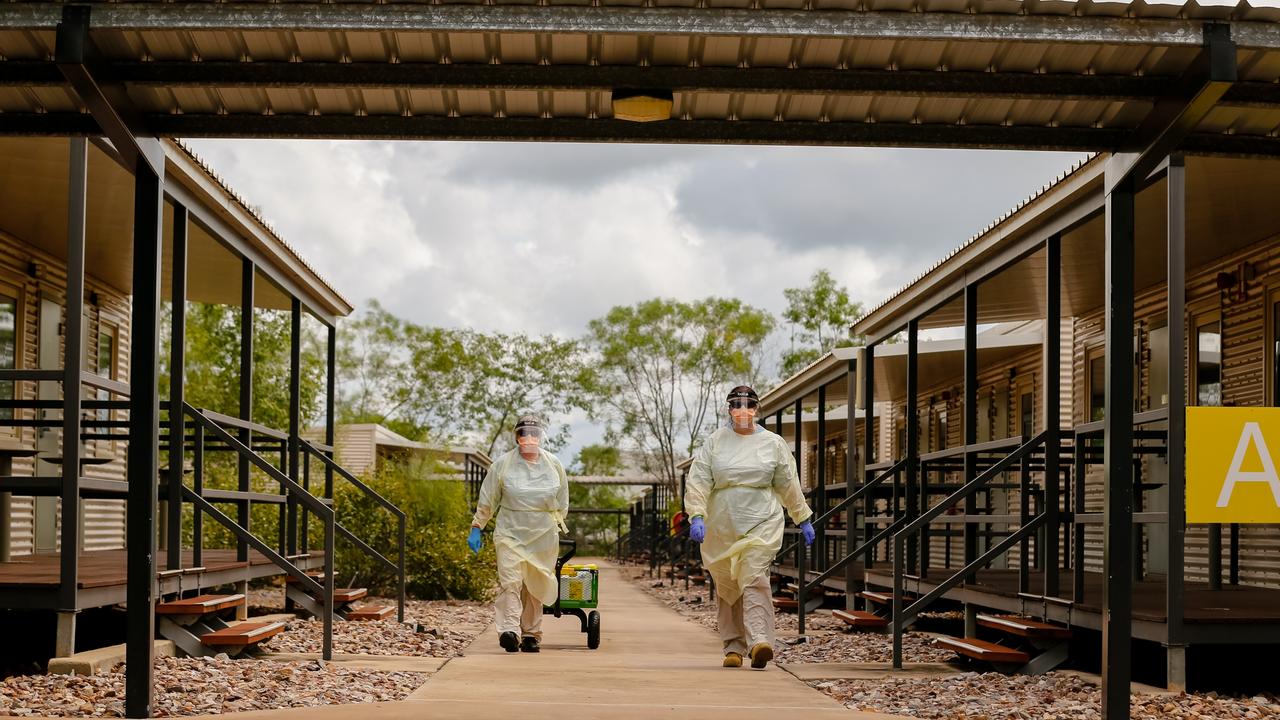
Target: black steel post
868, 447
177, 386
1117, 621
1176, 179
247, 278
1052, 411
913, 435
197, 486
295, 416
851, 472
799, 442
144, 440
72, 365
331, 389
970, 418
820, 487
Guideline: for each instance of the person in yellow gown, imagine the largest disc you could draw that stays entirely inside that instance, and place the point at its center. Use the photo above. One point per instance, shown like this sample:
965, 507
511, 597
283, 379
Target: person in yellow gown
528, 490
742, 478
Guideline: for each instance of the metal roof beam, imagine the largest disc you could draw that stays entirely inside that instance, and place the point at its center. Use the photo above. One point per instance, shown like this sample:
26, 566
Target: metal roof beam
948, 27
675, 78
109, 106
1170, 122
680, 79
746, 132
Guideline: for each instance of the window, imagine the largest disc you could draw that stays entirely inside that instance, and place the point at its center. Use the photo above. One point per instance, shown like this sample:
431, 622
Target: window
8, 349
1097, 387
1026, 407
105, 363
1209, 364
942, 429
1275, 353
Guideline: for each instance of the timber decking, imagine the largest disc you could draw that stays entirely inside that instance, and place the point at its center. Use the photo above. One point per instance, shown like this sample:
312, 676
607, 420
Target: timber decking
106, 568
1231, 604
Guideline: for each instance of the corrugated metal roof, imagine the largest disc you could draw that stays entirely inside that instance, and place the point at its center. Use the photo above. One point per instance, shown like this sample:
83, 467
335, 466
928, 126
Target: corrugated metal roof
990, 228
263, 225
1036, 38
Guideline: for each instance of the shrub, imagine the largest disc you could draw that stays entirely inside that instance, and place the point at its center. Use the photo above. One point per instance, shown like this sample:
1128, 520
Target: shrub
439, 564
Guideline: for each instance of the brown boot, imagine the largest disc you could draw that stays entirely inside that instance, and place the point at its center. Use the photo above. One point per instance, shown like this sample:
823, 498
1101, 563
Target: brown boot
732, 659
761, 654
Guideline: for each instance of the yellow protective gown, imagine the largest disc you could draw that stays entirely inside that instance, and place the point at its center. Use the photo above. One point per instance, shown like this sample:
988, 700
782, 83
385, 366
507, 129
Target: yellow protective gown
740, 485
531, 500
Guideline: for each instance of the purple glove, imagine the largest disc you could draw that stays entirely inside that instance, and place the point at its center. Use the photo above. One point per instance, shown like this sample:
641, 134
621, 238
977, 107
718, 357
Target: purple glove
806, 529
697, 530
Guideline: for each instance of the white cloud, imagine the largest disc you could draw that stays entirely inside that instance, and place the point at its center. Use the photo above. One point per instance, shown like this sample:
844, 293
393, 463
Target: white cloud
543, 238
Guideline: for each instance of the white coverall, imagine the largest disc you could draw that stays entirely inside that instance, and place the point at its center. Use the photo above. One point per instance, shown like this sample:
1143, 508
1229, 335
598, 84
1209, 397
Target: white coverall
531, 500
740, 485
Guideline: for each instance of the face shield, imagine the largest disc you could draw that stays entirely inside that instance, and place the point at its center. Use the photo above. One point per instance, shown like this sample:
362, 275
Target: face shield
529, 438
742, 412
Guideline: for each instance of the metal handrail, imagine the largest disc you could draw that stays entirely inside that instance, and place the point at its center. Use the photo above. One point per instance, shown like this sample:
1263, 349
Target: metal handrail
401, 520
206, 423
902, 615
863, 489
228, 421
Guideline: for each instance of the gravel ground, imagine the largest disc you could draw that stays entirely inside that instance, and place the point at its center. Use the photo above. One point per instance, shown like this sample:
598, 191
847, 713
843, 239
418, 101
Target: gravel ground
194, 686
1055, 696
827, 640
437, 628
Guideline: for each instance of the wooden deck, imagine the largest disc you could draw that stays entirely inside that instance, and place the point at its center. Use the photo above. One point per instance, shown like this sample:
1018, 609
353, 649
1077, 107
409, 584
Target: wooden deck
1233, 615
1239, 614
31, 581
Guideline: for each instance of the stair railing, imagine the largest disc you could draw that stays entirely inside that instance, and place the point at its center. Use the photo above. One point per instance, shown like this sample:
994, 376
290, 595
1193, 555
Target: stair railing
904, 615
397, 567
805, 585
212, 424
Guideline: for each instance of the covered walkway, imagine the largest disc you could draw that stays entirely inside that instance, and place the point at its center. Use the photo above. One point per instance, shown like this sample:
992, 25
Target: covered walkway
651, 663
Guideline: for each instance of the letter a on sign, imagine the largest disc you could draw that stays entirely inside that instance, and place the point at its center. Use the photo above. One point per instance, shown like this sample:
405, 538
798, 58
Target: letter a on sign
1231, 474
1252, 434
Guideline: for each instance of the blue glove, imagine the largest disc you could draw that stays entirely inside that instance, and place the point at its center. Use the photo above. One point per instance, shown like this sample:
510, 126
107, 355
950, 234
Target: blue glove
697, 530
473, 540
806, 529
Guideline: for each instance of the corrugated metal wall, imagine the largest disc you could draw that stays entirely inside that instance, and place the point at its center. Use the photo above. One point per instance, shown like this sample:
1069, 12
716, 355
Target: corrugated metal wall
104, 520
1244, 366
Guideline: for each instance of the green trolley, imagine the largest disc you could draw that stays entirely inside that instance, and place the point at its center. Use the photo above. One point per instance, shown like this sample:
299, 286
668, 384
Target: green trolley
579, 593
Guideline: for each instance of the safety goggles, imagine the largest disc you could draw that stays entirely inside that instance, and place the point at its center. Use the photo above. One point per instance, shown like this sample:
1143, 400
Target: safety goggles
529, 433
743, 403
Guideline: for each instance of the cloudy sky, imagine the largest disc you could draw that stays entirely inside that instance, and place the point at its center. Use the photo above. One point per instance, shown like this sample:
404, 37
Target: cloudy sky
542, 238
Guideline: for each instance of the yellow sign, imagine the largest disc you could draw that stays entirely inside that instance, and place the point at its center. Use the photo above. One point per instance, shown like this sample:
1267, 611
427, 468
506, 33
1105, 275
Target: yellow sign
1231, 465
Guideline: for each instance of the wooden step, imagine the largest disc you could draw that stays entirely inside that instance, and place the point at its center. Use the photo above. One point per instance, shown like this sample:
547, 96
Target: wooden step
200, 605
318, 577
1024, 627
794, 588
883, 598
245, 633
785, 603
348, 595
698, 579
982, 650
860, 618
371, 612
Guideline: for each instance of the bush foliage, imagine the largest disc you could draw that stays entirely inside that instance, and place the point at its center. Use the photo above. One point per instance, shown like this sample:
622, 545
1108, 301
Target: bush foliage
439, 564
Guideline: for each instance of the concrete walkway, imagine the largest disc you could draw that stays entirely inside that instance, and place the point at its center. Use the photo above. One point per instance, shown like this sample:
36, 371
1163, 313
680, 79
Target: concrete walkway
651, 663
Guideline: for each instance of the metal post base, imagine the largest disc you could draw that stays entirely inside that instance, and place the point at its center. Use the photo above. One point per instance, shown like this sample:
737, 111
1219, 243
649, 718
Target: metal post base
1176, 668
65, 641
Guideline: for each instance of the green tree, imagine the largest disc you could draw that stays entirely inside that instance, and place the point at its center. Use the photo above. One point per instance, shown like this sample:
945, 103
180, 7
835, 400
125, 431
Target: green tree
598, 460
456, 384
820, 316
662, 367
